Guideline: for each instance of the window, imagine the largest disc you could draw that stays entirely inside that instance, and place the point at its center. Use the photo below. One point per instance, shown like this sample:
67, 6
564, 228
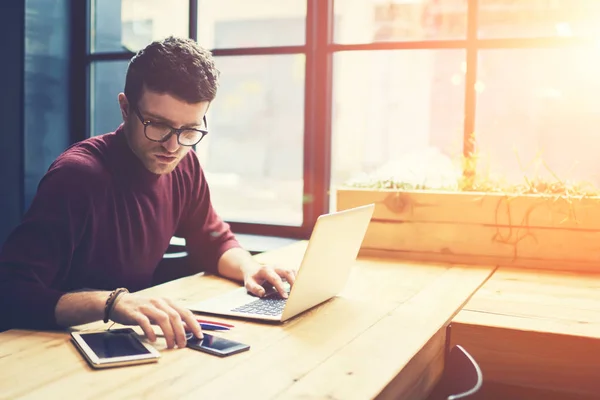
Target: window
370, 21
315, 93
46, 60
399, 75
535, 18
229, 24
118, 29
253, 156
107, 81
537, 114
393, 106
420, 85
129, 25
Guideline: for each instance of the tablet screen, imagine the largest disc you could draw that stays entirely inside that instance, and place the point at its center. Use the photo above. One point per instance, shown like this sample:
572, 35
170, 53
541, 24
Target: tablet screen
115, 343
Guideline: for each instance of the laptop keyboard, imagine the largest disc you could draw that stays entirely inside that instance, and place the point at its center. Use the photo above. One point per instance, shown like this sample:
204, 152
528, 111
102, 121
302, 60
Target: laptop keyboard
264, 306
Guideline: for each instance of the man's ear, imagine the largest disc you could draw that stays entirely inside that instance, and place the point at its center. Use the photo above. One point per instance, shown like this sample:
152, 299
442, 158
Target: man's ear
124, 106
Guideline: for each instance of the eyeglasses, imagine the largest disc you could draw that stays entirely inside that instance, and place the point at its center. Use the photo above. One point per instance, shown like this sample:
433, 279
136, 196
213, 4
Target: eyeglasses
160, 132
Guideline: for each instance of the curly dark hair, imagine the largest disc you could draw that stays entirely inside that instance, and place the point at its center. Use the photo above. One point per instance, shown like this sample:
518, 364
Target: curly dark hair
177, 66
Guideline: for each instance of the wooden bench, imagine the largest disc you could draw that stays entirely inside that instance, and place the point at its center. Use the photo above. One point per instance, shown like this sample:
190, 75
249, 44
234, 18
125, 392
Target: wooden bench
535, 329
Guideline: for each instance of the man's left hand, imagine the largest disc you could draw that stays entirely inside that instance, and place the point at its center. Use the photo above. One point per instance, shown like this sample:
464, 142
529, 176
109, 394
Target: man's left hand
256, 274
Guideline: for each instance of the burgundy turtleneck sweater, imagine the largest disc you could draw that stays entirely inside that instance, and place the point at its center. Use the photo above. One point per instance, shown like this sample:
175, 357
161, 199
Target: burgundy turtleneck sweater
101, 220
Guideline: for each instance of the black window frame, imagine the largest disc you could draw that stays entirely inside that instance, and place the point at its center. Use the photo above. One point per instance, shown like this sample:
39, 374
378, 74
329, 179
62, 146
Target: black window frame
318, 49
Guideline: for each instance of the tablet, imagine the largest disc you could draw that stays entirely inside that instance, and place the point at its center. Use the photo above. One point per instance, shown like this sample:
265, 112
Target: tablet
114, 348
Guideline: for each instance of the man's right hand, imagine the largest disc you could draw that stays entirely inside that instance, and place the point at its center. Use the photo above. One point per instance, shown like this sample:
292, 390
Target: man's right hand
134, 309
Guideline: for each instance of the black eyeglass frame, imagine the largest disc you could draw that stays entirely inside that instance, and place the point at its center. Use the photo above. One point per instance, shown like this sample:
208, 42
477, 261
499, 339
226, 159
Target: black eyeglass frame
173, 131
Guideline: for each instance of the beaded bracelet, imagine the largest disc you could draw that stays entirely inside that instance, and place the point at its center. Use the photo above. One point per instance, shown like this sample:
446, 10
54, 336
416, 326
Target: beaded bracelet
110, 301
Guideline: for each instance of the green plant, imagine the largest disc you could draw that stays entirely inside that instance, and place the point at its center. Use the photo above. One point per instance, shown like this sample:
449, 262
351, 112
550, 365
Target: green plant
477, 178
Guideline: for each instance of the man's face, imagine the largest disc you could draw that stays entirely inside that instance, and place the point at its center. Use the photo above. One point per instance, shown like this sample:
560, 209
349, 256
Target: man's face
159, 158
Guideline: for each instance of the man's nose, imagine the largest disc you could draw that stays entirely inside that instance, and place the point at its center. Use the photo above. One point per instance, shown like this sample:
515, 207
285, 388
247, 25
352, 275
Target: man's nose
171, 145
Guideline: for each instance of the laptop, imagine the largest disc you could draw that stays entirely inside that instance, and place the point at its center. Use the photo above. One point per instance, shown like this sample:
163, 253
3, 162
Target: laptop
325, 268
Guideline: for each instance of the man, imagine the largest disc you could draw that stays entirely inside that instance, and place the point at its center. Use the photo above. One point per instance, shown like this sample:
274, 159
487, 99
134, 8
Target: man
108, 206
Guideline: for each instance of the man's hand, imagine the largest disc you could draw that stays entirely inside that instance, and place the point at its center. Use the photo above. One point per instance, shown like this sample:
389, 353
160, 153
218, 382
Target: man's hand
255, 274
133, 309
239, 265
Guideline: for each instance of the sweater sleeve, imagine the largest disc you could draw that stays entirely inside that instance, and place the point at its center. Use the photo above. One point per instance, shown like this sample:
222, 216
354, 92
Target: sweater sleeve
36, 257
207, 235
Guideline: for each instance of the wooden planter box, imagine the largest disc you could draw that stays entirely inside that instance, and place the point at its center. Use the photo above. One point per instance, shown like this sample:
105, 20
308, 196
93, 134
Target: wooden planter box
482, 228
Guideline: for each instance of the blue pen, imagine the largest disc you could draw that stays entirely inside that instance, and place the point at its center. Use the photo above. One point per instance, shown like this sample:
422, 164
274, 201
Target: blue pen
211, 327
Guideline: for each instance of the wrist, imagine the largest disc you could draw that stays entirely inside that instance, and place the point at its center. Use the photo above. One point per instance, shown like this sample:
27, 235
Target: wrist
235, 264
111, 301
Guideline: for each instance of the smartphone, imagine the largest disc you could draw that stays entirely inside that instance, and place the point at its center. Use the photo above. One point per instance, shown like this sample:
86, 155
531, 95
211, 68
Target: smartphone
215, 345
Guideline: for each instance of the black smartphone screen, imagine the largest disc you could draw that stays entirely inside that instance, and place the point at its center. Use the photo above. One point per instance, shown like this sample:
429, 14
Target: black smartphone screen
216, 345
114, 343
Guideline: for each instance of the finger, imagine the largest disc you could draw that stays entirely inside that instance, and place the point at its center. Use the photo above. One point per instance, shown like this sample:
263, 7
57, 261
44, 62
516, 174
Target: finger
189, 318
275, 280
289, 275
178, 328
175, 320
253, 287
144, 323
161, 318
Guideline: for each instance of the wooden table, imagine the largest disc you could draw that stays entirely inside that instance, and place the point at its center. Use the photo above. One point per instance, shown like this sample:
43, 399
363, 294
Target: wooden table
535, 329
384, 336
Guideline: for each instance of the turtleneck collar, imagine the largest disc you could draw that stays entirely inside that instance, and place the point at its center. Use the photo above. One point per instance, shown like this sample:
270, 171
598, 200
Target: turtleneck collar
127, 165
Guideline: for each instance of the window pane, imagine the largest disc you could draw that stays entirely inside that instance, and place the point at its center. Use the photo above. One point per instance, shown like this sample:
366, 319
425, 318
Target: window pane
367, 21
398, 114
535, 18
107, 80
121, 25
46, 88
259, 23
539, 107
253, 154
